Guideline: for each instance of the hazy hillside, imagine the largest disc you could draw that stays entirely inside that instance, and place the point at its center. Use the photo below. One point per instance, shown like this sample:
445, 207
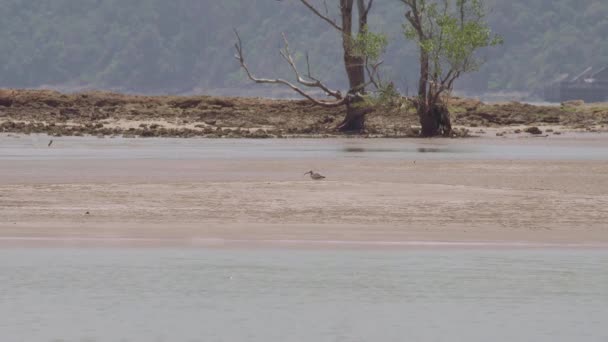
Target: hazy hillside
175, 46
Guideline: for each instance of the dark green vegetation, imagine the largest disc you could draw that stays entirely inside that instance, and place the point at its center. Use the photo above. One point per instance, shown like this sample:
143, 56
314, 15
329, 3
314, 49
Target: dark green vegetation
175, 46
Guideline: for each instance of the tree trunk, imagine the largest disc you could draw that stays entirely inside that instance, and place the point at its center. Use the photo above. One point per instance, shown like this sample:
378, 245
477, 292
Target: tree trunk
354, 121
435, 121
424, 80
433, 114
355, 68
429, 124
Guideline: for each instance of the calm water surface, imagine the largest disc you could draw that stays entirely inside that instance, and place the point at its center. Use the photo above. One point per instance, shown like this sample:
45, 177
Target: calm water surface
315, 295
34, 147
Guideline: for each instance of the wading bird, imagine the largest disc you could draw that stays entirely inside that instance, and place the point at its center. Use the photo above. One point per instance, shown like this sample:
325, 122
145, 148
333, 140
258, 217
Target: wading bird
314, 175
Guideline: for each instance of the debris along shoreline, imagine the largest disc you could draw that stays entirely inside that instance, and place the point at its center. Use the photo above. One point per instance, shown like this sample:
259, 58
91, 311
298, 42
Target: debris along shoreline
112, 114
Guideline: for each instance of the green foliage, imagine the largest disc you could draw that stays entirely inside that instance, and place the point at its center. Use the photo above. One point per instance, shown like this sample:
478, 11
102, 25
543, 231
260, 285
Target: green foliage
450, 34
369, 44
385, 96
460, 42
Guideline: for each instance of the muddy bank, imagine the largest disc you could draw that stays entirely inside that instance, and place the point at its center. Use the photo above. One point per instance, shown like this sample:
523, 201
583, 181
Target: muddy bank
110, 114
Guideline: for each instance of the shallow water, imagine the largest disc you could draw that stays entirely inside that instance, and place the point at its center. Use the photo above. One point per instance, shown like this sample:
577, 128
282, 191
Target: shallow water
297, 295
34, 147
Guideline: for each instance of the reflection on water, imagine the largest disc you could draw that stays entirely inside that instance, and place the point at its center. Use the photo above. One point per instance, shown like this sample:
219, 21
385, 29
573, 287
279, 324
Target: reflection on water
350, 149
35, 148
395, 150
281, 295
432, 150
355, 150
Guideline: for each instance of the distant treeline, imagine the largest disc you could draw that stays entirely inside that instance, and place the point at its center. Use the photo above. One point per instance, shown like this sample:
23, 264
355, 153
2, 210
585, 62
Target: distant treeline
161, 46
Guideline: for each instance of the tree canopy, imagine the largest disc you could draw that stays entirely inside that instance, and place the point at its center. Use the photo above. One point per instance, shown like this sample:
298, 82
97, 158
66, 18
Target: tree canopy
448, 34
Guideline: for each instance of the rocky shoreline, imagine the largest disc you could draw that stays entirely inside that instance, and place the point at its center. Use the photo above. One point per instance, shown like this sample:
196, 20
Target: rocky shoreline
111, 114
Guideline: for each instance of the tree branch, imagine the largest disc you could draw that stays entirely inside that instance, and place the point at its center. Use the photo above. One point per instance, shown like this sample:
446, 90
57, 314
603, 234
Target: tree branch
240, 57
364, 9
373, 73
447, 82
286, 54
320, 15
452, 79
369, 7
308, 68
447, 77
326, 8
413, 16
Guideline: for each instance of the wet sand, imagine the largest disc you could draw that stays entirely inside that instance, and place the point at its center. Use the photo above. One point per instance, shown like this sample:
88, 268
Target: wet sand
382, 202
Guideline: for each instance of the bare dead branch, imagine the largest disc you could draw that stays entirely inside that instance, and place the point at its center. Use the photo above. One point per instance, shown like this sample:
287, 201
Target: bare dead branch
320, 15
240, 57
315, 83
373, 73
356, 91
308, 69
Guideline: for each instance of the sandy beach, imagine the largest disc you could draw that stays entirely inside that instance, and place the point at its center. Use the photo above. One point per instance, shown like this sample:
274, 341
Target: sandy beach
55, 198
